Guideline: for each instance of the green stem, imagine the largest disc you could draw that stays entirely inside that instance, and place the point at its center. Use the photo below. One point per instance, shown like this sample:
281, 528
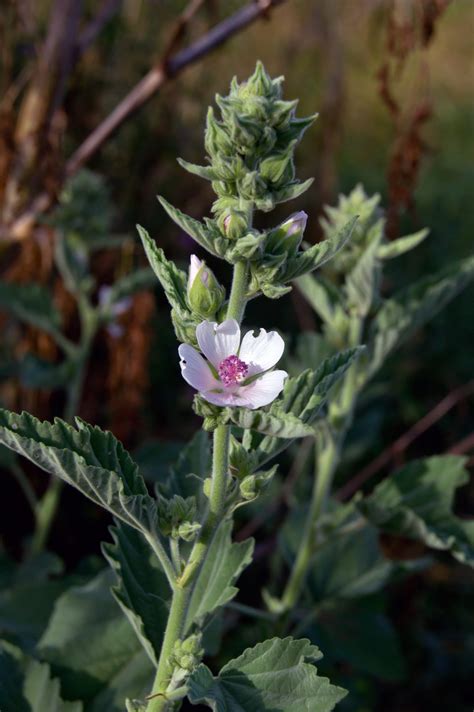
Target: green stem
237, 300
326, 461
183, 589
327, 457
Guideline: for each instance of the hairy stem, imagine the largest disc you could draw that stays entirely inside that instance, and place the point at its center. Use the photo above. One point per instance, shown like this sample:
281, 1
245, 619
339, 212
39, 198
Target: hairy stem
183, 588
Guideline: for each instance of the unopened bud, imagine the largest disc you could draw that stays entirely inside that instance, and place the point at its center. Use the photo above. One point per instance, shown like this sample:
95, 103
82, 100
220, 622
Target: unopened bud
287, 236
234, 224
205, 294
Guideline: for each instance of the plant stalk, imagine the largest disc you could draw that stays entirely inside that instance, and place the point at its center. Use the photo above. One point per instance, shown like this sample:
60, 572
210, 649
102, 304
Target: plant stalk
182, 592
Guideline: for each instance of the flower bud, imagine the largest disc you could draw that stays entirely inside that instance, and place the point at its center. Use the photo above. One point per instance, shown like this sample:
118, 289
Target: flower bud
234, 224
287, 236
205, 294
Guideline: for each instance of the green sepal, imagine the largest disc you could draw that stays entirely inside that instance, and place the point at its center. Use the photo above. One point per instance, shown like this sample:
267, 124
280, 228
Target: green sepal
292, 190
211, 240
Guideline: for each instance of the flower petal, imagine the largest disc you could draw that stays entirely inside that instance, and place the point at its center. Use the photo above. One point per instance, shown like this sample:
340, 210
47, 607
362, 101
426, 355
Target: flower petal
264, 390
217, 341
261, 352
195, 370
224, 398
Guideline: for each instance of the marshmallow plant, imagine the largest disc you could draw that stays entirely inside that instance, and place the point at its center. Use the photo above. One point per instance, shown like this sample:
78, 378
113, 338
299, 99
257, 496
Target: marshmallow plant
172, 555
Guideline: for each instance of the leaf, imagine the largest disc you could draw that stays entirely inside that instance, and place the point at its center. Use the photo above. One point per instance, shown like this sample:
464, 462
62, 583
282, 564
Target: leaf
398, 247
414, 306
43, 692
27, 597
142, 590
316, 255
32, 303
173, 280
292, 190
275, 675
26, 685
348, 566
305, 396
88, 458
191, 468
223, 565
360, 634
206, 172
323, 296
136, 281
275, 423
92, 648
209, 238
362, 282
416, 502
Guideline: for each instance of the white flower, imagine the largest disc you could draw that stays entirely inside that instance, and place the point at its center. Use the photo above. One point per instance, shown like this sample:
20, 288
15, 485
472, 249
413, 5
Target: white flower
236, 373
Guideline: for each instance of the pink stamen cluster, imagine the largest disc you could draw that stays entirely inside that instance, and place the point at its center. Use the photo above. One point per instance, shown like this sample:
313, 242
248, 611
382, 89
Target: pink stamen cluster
232, 370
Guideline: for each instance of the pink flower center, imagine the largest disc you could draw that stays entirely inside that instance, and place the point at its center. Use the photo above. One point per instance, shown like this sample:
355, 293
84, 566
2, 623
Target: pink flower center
232, 370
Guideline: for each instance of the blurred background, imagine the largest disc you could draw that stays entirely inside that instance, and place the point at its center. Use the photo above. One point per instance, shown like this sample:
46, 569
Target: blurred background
393, 83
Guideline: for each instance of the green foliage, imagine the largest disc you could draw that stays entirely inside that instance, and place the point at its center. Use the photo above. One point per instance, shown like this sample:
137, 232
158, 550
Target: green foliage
93, 649
87, 458
277, 672
28, 686
414, 306
142, 589
417, 501
215, 583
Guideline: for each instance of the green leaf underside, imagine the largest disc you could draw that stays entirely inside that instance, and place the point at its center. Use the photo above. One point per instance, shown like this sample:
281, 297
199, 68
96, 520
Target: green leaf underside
90, 459
274, 676
404, 244
414, 306
224, 563
275, 423
142, 590
92, 648
416, 502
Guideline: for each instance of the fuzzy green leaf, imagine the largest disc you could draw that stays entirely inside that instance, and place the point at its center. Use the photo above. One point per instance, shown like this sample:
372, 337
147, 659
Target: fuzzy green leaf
224, 563
142, 590
416, 502
275, 675
275, 422
88, 458
362, 282
204, 235
173, 280
293, 190
414, 306
398, 247
32, 303
305, 397
93, 649
317, 255
323, 296
206, 172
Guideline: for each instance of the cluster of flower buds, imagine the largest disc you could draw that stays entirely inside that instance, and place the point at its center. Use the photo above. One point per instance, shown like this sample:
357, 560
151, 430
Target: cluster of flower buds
186, 656
176, 517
